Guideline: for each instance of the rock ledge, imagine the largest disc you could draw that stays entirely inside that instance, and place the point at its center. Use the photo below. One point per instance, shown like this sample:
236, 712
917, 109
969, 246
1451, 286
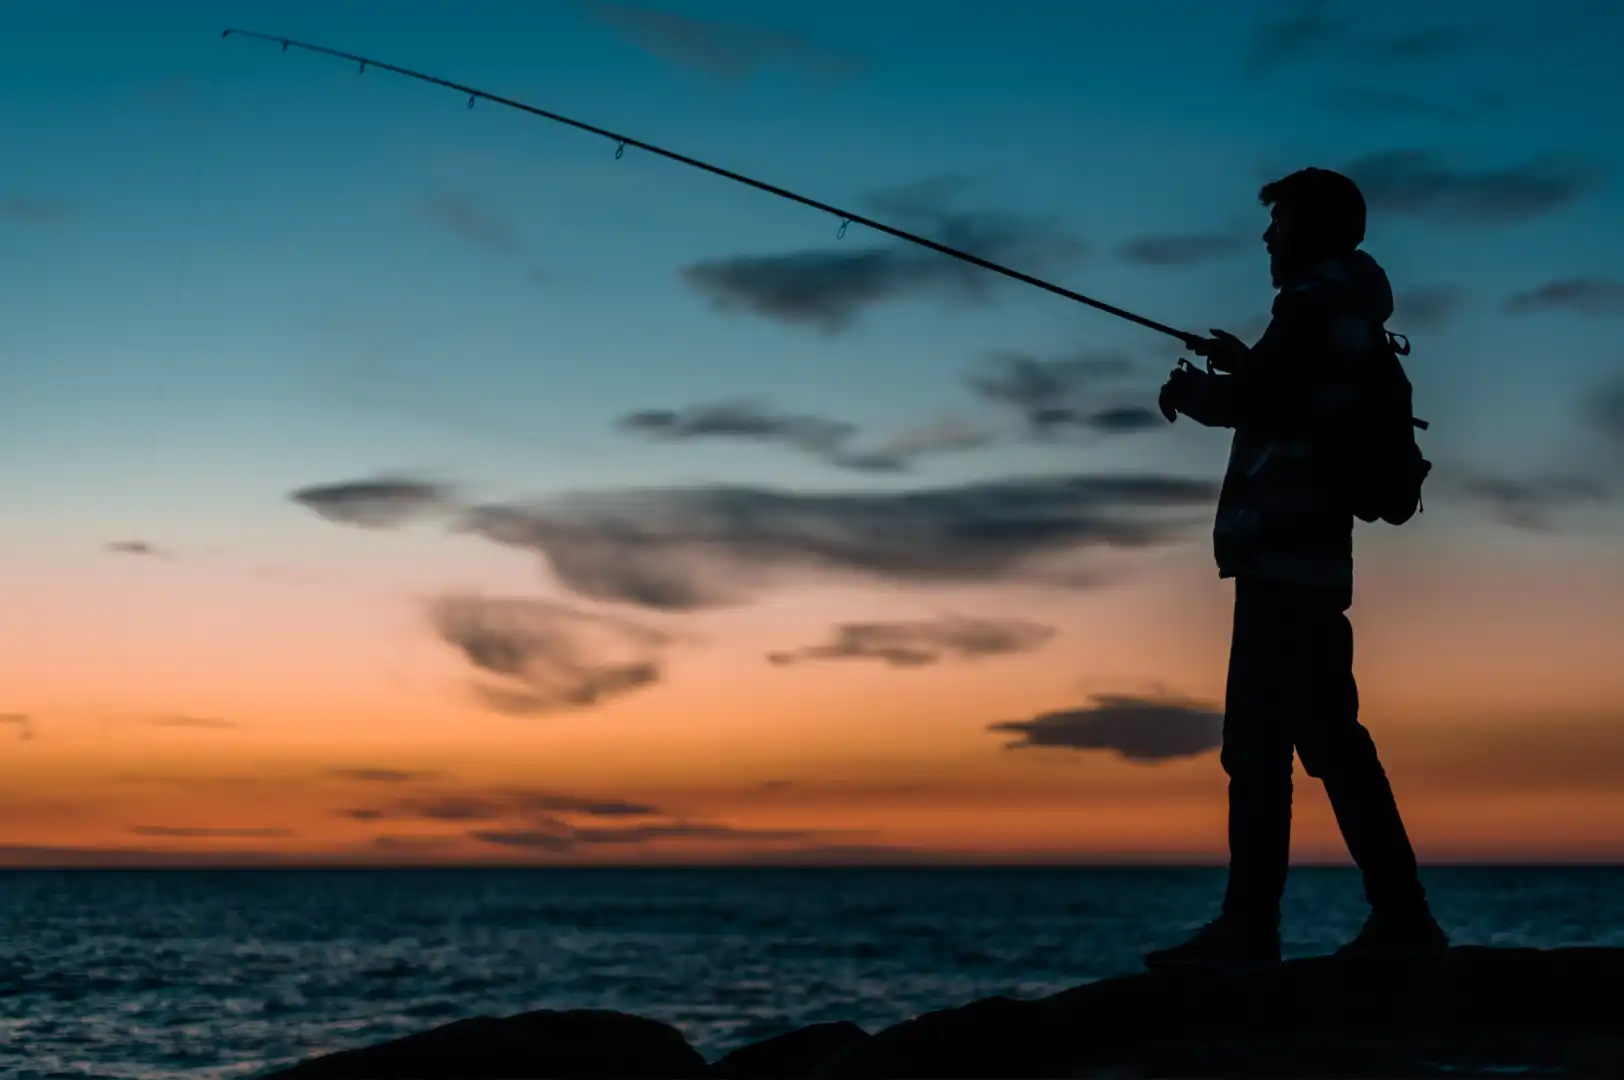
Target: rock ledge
1468, 1012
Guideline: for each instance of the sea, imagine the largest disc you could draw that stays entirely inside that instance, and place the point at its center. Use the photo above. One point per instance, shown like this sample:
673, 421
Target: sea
215, 974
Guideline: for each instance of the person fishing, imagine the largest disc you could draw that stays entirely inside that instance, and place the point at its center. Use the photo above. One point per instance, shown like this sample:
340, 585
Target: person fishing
1284, 533
1323, 433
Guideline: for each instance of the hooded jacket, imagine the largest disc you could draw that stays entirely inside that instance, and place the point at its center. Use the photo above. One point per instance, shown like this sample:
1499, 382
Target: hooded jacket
1279, 512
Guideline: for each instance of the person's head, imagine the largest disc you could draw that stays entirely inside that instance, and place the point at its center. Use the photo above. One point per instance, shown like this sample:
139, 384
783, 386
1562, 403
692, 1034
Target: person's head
1315, 214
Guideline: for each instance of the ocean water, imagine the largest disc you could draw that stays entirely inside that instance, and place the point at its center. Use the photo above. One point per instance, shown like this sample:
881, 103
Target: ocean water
212, 974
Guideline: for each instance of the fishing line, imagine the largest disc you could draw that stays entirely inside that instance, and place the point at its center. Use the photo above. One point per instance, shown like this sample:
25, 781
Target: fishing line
846, 217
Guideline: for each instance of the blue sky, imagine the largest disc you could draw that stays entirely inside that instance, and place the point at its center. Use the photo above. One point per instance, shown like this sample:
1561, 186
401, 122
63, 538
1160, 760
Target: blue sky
236, 272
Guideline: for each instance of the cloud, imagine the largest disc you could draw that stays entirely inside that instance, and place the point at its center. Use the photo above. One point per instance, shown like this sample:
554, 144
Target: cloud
532, 839
476, 223
1183, 249
205, 722
513, 805
696, 547
922, 642
383, 503
1311, 34
27, 211
1138, 729
547, 657
741, 419
550, 802
944, 435
1603, 409
726, 50
22, 722
830, 855
826, 288
1058, 395
1581, 295
1415, 183
1427, 307
450, 808
828, 440
1122, 420
410, 845
556, 836
190, 833
1531, 503
1281, 42
136, 547
366, 774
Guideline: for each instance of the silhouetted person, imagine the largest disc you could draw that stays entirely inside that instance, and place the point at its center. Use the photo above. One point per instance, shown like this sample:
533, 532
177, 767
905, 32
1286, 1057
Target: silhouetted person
1284, 532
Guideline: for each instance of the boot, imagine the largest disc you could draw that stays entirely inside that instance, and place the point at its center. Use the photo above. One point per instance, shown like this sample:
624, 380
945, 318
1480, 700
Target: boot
1224, 945
1385, 934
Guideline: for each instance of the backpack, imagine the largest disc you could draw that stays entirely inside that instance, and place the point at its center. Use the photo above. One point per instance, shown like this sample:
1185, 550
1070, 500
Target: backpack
1383, 467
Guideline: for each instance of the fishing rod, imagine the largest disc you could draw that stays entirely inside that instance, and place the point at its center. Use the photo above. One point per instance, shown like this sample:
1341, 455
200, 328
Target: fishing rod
846, 217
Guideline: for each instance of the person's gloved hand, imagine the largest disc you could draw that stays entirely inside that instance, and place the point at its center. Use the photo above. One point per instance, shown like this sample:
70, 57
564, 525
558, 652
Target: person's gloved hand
1177, 390
1224, 351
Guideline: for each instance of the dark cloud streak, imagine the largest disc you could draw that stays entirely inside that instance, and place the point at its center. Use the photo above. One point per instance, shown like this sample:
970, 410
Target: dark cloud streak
1580, 295
687, 548
22, 722
1415, 183
827, 288
1139, 729
476, 223
1532, 503
923, 642
382, 503
1059, 395
724, 50
825, 439
136, 547
366, 774
212, 723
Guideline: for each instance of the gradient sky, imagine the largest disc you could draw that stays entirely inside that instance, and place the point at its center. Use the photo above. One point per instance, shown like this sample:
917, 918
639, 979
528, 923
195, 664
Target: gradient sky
393, 481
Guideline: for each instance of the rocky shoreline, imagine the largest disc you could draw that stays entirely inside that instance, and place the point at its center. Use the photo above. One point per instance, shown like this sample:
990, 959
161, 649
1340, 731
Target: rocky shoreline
1469, 1012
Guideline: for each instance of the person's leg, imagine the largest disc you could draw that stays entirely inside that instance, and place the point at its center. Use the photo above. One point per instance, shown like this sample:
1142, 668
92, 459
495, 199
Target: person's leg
1256, 755
1260, 698
1337, 749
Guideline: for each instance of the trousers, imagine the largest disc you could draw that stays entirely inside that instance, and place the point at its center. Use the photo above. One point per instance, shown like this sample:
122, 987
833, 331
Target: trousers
1291, 686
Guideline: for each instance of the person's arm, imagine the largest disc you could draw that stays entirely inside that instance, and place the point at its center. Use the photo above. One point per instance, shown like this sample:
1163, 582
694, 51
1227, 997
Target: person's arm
1288, 379
1209, 400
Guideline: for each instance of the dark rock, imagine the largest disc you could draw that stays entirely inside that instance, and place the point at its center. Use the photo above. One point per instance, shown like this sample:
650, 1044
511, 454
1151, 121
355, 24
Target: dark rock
1462, 1013
1470, 1011
996, 1036
548, 1043
792, 1054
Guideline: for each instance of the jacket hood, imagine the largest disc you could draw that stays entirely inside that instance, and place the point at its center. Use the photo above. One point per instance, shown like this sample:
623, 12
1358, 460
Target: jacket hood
1367, 281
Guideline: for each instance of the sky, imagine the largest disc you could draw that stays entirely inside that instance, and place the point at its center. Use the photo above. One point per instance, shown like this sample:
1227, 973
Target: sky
394, 481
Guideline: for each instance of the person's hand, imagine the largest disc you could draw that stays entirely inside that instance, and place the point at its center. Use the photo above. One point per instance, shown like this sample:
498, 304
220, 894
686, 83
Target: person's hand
1223, 350
1175, 391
